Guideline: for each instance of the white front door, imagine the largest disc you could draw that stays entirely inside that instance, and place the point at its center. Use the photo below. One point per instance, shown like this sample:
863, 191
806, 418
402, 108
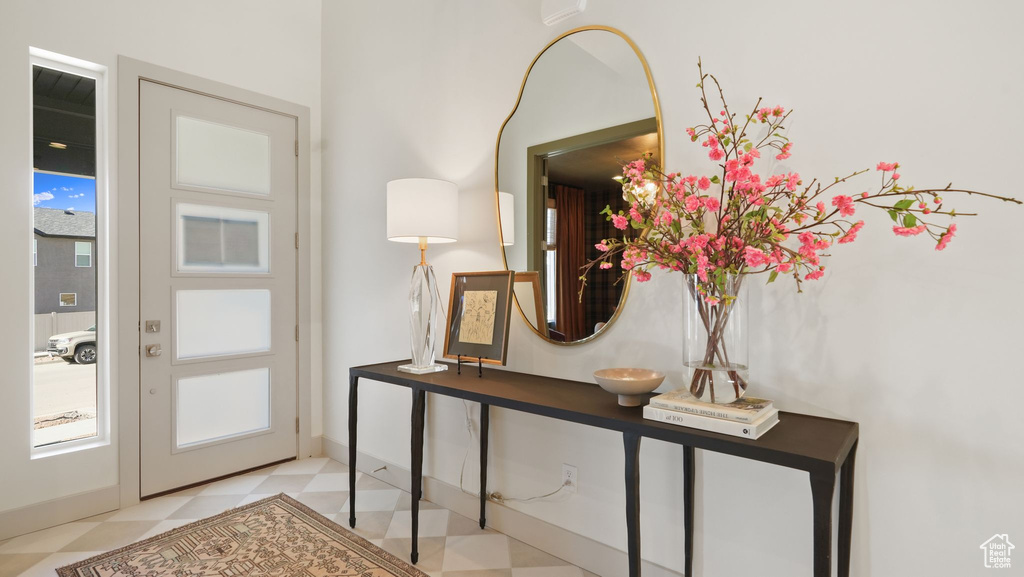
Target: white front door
218, 276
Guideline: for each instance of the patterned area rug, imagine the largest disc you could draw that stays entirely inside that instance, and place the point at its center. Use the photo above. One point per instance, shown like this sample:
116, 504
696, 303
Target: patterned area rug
277, 536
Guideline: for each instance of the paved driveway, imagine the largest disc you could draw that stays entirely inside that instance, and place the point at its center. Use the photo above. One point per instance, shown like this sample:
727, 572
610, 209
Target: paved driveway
62, 387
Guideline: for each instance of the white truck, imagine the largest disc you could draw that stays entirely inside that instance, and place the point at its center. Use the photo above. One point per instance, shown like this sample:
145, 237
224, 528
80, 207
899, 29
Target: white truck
78, 347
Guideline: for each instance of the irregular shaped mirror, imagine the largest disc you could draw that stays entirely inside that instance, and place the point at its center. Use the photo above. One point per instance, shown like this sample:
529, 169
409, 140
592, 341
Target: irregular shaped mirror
587, 104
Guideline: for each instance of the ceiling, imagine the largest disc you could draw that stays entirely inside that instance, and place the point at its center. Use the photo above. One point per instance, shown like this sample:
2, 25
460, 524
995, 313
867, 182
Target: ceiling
593, 168
63, 111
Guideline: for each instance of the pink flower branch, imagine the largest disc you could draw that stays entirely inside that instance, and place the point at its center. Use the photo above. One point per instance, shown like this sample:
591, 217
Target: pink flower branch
742, 222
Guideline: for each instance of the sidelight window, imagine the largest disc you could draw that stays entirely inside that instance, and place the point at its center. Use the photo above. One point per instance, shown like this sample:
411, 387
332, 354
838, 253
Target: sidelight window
68, 198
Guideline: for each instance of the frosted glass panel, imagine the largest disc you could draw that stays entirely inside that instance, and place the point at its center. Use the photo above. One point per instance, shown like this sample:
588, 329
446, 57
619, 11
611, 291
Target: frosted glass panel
223, 405
221, 239
213, 155
213, 323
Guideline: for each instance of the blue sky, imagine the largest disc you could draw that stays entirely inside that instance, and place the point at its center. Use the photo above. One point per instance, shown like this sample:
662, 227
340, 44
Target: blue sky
63, 192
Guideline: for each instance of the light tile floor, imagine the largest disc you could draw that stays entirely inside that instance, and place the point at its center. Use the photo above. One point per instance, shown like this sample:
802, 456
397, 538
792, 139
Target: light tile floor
450, 545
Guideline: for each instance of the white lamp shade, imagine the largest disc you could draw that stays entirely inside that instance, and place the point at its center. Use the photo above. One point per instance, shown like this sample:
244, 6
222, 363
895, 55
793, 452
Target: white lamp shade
423, 208
507, 215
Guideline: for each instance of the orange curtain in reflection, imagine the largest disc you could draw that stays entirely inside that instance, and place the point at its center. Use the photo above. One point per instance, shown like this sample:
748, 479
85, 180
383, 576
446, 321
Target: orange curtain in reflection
569, 318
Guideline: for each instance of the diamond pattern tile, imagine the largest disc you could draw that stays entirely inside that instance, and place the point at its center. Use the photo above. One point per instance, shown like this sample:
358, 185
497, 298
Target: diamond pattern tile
475, 552
327, 503
201, 507
283, 483
110, 535
450, 545
48, 540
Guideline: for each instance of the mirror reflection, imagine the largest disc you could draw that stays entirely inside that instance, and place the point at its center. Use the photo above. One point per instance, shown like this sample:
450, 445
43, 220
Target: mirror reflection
587, 105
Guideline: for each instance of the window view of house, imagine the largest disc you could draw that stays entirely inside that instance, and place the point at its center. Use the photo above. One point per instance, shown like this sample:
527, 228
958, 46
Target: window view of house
64, 256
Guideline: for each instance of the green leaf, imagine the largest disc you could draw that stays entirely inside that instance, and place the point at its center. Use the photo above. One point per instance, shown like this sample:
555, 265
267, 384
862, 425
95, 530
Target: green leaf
773, 276
909, 221
715, 179
748, 146
726, 142
904, 204
892, 215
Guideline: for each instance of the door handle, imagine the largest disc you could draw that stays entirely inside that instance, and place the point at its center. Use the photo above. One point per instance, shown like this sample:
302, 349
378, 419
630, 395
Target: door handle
153, 350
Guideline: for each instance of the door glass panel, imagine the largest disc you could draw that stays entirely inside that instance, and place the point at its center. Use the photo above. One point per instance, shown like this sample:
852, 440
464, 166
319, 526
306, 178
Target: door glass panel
221, 239
212, 323
211, 407
221, 157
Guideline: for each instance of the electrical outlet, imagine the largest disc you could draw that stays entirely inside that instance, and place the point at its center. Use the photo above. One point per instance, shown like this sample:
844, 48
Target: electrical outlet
570, 477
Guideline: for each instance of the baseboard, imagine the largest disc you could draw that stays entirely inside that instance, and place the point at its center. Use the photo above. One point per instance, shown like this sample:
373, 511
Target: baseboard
47, 514
390, 473
577, 549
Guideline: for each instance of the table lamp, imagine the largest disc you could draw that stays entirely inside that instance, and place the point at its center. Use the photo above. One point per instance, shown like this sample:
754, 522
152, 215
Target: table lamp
423, 211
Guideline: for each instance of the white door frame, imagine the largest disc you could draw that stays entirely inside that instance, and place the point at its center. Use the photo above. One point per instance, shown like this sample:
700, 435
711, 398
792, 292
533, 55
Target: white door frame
129, 74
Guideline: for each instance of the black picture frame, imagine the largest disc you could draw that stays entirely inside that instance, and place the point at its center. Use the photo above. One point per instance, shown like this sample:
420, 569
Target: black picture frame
496, 284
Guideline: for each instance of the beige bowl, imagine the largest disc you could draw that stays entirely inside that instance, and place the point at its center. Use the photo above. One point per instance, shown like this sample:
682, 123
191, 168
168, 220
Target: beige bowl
631, 385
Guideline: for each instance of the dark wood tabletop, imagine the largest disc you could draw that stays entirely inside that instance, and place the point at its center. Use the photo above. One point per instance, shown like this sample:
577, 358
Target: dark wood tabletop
804, 442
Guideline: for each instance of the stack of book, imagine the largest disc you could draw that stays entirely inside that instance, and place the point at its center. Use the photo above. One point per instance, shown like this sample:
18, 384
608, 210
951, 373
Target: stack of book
747, 417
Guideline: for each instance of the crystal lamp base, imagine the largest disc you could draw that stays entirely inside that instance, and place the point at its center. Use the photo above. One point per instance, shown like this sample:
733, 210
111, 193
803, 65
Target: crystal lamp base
434, 368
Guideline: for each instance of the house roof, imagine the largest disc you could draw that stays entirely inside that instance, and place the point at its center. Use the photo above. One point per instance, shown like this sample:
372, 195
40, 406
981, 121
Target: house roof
57, 222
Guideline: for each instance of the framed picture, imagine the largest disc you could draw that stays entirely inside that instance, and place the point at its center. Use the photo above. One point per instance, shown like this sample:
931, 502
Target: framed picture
479, 308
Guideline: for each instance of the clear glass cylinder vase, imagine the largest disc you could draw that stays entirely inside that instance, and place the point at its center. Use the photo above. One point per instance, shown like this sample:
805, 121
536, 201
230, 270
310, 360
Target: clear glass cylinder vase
715, 338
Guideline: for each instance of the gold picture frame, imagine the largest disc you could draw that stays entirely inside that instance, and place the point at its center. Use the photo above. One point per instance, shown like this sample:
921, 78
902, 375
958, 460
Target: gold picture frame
479, 310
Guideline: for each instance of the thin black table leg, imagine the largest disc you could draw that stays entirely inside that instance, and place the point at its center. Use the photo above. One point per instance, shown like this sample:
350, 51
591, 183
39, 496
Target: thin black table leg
485, 421
846, 511
353, 412
822, 489
631, 443
419, 405
689, 472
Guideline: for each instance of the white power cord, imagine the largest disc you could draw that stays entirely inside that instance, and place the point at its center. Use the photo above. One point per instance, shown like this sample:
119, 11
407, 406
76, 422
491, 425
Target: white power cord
495, 496
469, 446
499, 498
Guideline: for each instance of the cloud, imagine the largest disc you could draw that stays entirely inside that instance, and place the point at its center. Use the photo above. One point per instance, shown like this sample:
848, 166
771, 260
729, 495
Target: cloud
66, 189
70, 208
79, 195
41, 197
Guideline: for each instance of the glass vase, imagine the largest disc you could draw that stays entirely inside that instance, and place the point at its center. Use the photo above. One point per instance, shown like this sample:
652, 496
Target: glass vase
715, 338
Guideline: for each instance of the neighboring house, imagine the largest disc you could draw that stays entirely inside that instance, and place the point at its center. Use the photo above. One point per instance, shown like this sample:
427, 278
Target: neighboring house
64, 252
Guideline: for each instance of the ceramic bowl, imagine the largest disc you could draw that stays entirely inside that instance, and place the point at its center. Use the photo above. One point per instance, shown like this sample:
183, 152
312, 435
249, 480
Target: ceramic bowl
631, 385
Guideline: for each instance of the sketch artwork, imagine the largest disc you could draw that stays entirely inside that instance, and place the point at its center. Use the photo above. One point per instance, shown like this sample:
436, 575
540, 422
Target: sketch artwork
478, 317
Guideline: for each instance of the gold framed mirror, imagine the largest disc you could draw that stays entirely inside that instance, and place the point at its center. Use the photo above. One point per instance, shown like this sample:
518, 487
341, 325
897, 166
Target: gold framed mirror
587, 103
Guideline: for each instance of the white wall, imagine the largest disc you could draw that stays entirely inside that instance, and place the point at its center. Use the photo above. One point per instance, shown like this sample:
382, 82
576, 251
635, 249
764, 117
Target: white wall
268, 47
919, 347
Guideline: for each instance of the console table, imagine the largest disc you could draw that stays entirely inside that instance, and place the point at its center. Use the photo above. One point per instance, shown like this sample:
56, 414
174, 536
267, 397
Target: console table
825, 448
